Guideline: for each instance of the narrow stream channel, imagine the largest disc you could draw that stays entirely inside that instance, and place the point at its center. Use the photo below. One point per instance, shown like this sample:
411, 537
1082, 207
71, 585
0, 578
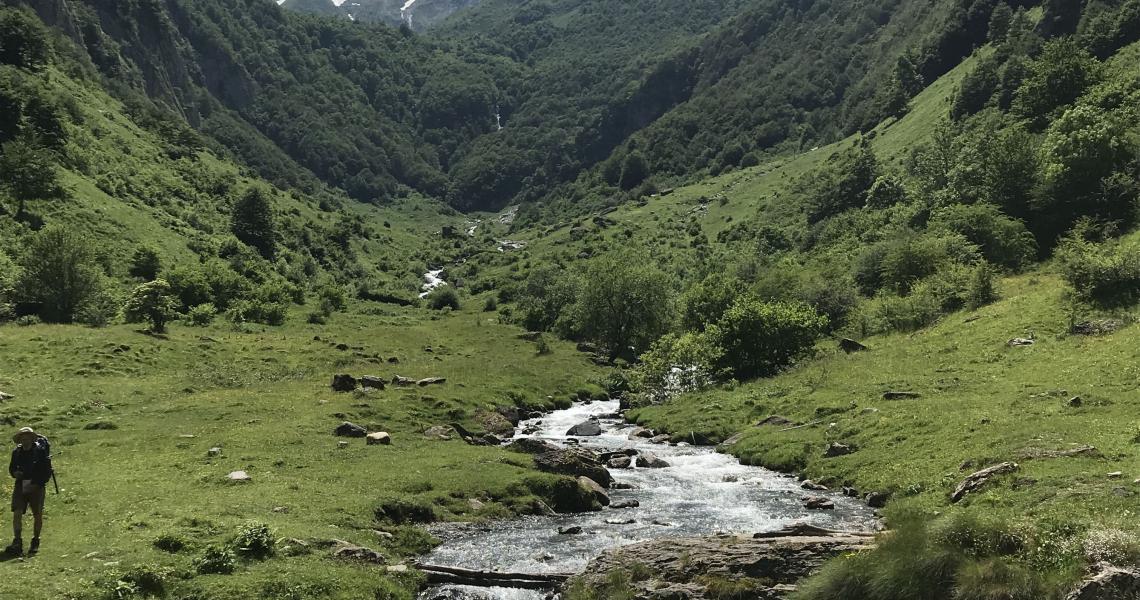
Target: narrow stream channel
702, 492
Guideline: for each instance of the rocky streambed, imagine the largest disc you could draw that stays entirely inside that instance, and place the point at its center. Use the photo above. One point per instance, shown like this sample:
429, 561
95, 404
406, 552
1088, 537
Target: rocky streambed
668, 494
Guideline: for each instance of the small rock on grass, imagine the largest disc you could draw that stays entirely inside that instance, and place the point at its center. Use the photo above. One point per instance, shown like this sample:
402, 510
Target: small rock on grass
239, 477
379, 438
348, 429
359, 553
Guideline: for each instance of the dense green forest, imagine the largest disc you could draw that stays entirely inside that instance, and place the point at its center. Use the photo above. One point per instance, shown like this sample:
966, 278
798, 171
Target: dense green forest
379, 111
723, 186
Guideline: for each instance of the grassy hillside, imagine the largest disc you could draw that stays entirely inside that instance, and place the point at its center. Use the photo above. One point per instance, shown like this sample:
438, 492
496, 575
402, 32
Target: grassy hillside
132, 414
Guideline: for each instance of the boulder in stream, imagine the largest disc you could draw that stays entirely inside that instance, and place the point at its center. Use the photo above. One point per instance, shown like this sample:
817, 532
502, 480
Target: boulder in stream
640, 433
576, 462
598, 491
648, 460
620, 462
817, 503
585, 429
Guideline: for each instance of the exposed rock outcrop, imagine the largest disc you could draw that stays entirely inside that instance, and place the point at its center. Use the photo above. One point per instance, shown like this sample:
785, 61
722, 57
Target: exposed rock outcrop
979, 478
775, 561
1108, 583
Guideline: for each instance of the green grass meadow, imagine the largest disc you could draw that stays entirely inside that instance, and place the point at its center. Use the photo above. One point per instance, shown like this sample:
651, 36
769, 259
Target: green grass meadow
132, 416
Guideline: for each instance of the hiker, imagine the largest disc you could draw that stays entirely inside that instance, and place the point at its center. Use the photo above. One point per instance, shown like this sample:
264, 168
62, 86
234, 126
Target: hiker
31, 468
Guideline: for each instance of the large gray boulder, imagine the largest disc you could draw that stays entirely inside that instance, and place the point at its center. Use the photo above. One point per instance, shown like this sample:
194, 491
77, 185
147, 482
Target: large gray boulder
648, 460
575, 462
530, 445
352, 430
343, 382
598, 491
585, 429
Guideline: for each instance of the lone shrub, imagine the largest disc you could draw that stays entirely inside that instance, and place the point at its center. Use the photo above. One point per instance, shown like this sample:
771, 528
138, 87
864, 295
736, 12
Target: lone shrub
217, 560
400, 511
202, 315
255, 540
982, 290
153, 303
147, 580
542, 346
59, 273
1105, 274
623, 304
443, 297
170, 543
758, 339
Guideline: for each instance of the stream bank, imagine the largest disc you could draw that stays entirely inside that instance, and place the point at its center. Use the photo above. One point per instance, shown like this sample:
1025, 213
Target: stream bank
692, 492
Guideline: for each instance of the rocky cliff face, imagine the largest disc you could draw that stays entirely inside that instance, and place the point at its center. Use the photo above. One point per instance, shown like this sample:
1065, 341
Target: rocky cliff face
420, 14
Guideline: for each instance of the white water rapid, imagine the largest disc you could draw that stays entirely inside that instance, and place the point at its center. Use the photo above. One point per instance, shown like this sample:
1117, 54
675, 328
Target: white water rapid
701, 493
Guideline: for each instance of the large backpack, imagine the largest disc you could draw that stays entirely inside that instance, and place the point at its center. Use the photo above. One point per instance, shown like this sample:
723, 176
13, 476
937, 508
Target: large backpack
42, 448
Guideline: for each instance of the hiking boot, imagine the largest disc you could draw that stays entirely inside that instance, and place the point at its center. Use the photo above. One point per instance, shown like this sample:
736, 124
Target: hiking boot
16, 548
35, 547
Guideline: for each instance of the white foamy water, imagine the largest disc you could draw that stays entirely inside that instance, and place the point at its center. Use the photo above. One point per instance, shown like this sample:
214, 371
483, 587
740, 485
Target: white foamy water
432, 280
702, 492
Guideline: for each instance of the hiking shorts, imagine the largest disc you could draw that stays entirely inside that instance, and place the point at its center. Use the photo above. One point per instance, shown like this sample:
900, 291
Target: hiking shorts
27, 495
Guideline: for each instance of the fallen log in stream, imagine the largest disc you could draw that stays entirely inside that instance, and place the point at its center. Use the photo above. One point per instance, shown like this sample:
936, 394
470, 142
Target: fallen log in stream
438, 574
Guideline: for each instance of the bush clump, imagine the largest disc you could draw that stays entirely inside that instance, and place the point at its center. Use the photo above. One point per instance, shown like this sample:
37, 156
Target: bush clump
1105, 274
202, 315
216, 560
255, 540
443, 297
401, 511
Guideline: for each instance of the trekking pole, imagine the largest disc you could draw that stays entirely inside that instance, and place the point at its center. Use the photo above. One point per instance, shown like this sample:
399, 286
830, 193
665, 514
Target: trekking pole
53, 479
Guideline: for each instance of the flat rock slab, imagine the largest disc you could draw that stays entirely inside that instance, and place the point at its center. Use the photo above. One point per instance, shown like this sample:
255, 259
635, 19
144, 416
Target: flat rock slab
779, 560
239, 477
979, 478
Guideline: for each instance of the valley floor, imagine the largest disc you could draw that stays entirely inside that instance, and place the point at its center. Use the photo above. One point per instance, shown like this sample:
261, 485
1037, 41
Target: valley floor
132, 417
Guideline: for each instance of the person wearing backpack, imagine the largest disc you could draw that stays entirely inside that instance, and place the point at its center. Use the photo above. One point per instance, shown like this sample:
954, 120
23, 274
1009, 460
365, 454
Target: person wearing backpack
31, 468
